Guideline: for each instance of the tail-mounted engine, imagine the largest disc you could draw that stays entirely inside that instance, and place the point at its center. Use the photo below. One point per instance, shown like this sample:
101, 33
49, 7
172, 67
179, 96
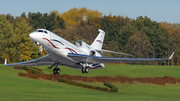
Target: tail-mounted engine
92, 53
82, 45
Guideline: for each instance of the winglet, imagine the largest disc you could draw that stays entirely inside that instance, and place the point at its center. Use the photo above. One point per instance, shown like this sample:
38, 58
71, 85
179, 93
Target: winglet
5, 61
171, 56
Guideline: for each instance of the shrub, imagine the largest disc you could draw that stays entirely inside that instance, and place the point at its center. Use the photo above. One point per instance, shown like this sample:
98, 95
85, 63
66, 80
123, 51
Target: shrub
98, 88
32, 69
90, 86
22, 74
112, 87
34, 76
86, 86
104, 89
79, 84
62, 80
108, 84
48, 78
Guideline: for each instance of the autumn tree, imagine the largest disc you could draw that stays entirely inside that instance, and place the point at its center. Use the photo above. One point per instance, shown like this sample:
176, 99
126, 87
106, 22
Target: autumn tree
23, 43
176, 45
7, 39
173, 40
139, 45
75, 16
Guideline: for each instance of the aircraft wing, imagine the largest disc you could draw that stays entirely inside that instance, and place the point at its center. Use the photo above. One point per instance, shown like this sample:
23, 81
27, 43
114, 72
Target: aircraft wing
108, 51
96, 60
45, 60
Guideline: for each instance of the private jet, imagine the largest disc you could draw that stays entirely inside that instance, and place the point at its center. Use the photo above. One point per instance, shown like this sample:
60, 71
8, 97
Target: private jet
80, 56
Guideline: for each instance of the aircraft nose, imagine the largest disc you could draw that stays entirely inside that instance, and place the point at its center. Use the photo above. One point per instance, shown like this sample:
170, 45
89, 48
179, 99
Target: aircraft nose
32, 36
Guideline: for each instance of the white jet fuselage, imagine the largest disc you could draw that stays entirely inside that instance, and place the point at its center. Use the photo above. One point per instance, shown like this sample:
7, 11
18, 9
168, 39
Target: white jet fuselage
58, 48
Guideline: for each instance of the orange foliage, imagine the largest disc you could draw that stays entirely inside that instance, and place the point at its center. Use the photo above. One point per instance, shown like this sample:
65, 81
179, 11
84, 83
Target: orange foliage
75, 16
168, 27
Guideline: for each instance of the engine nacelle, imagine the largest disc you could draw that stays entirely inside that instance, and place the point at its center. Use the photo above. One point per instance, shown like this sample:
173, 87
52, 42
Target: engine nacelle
82, 45
92, 53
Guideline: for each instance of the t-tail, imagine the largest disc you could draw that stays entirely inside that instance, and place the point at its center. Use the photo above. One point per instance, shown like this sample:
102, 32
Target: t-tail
98, 42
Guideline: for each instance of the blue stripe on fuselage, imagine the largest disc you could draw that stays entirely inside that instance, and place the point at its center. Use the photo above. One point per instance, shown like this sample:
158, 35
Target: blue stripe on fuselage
57, 41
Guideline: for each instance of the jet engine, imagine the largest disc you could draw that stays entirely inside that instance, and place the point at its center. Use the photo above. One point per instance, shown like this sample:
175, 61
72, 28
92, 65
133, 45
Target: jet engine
82, 45
92, 53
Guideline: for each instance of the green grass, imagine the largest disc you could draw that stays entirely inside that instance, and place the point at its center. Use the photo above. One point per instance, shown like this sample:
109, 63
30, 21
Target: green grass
14, 87
123, 70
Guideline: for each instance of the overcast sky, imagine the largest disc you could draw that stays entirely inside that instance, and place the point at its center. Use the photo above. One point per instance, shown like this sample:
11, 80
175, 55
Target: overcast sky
156, 10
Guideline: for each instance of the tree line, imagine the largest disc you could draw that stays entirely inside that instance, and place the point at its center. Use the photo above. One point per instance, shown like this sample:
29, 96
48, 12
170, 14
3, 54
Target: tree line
140, 37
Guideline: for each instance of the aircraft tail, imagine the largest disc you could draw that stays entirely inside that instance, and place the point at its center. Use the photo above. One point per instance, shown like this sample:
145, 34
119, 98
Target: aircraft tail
98, 42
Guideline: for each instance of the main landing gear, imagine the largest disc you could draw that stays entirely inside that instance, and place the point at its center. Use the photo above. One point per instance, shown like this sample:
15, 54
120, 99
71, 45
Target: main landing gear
55, 70
85, 68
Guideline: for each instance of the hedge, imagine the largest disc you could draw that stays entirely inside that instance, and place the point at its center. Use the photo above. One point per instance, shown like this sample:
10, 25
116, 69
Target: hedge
71, 82
30, 69
112, 87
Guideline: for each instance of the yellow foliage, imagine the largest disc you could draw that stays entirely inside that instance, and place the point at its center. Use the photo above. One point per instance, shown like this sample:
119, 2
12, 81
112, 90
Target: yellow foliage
23, 42
75, 16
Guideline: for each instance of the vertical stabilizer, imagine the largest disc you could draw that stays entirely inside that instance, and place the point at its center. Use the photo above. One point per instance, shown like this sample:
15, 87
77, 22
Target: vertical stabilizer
98, 42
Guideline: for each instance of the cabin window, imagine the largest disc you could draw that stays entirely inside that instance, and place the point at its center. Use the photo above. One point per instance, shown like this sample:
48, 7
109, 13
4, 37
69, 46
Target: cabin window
45, 32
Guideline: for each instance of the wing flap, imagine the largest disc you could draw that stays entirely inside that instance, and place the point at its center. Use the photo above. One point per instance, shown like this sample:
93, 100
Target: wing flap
45, 60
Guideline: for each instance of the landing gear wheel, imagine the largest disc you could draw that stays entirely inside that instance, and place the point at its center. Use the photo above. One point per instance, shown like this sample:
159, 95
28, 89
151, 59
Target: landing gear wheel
58, 71
83, 70
86, 69
54, 70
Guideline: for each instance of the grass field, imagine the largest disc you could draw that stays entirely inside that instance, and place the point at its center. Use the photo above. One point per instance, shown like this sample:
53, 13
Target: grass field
13, 87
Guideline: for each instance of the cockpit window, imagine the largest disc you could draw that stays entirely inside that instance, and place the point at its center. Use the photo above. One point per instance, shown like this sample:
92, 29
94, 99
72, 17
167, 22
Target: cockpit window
40, 30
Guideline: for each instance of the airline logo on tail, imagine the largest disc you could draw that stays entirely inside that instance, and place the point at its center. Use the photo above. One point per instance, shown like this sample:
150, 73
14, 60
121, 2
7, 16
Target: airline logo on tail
99, 41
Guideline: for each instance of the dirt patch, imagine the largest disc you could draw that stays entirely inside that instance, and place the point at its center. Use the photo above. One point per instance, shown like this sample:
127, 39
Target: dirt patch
120, 79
